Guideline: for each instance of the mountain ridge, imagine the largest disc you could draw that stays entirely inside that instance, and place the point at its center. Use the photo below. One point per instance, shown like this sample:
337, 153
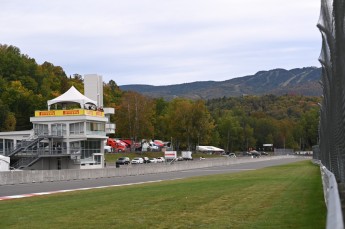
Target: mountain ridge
301, 81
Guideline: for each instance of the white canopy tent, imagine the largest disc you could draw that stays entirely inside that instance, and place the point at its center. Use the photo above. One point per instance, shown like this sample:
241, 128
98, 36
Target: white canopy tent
209, 149
72, 96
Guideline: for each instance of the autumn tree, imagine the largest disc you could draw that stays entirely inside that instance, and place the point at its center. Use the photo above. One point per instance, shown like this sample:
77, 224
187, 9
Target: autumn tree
7, 119
265, 128
189, 123
23, 103
203, 124
308, 128
230, 130
52, 80
135, 116
284, 137
111, 94
161, 130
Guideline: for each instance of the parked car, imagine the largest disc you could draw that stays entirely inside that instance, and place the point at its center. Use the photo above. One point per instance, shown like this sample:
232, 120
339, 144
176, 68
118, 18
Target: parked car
160, 159
153, 147
179, 158
137, 160
153, 160
255, 154
123, 161
264, 153
146, 160
232, 155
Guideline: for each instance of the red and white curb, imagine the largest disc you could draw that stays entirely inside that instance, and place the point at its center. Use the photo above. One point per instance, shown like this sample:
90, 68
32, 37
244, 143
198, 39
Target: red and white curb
71, 190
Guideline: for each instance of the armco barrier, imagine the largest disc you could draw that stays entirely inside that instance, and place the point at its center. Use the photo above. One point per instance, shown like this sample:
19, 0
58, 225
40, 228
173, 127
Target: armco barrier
332, 199
36, 176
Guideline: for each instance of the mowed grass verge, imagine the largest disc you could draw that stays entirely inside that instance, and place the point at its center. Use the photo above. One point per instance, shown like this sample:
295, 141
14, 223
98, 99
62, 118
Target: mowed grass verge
288, 196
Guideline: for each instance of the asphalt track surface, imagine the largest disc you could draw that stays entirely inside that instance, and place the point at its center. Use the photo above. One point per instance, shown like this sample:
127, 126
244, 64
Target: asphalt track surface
27, 190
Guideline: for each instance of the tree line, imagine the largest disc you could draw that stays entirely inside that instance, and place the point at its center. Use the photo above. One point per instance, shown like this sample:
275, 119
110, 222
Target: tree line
234, 124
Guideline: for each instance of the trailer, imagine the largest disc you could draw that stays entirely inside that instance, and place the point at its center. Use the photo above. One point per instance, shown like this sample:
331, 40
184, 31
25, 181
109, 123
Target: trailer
187, 155
170, 155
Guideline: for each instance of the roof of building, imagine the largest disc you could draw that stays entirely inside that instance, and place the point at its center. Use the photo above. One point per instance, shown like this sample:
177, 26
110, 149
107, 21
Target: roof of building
72, 96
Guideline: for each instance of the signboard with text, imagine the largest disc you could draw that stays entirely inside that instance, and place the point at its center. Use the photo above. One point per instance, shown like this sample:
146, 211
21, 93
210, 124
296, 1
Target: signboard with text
170, 155
53, 113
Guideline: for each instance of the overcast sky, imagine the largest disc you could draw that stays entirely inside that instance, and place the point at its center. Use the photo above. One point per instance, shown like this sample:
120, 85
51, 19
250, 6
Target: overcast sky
161, 42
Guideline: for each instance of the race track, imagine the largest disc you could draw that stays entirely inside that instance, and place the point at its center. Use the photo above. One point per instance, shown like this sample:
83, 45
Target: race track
34, 189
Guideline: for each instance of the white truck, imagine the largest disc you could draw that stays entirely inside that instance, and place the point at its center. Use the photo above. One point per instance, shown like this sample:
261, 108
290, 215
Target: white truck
187, 155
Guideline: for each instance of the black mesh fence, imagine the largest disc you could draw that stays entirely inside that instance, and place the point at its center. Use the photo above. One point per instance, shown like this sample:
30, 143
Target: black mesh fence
331, 149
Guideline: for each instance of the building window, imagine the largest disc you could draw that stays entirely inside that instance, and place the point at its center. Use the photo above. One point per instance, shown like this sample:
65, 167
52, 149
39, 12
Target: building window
59, 147
76, 128
9, 143
75, 148
89, 148
98, 159
1, 146
41, 129
58, 129
95, 128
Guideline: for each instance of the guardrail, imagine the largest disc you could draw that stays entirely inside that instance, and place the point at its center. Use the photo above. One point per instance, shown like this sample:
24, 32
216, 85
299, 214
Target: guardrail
332, 199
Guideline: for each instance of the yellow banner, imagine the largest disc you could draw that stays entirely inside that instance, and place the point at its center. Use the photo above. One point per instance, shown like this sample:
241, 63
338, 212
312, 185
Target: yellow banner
53, 113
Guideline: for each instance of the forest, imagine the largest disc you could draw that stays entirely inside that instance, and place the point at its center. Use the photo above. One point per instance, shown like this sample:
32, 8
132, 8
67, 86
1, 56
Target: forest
231, 123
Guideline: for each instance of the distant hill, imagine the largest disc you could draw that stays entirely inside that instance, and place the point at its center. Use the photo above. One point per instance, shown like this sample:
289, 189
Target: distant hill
299, 81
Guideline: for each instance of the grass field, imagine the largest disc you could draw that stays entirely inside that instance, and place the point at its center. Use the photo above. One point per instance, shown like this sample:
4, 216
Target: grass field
288, 196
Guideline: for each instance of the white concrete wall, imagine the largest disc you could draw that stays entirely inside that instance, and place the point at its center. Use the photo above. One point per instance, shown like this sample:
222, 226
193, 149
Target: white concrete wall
32, 176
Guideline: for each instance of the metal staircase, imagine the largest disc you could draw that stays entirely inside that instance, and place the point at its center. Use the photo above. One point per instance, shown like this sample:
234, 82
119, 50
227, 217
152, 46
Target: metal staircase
24, 145
23, 156
24, 162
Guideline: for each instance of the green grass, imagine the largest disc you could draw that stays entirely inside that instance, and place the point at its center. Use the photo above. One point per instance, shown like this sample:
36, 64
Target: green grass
288, 196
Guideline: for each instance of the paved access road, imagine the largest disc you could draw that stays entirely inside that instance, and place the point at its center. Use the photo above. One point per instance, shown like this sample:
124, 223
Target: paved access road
27, 189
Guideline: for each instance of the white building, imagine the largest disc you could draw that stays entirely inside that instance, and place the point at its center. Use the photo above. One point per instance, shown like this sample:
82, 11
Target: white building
70, 134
